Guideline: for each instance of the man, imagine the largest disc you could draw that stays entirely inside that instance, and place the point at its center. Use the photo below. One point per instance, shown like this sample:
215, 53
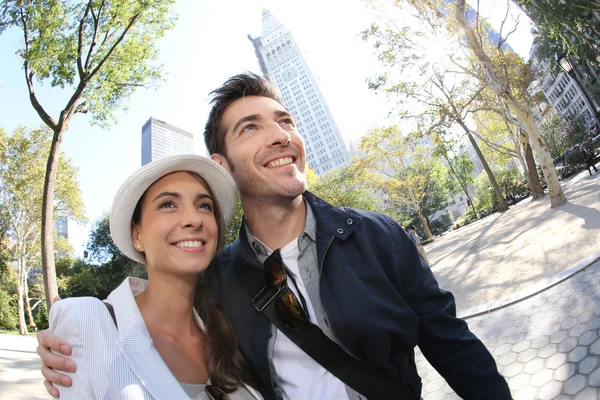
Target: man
361, 278
588, 154
412, 233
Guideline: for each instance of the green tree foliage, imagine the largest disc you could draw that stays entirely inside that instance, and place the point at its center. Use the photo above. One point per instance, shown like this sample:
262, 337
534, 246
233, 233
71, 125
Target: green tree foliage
8, 300
487, 65
500, 140
346, 186
4, 241
437, 190
101, 52
104, 269
567, 28
437, 96
22, 163
459, 172
101, 271
233, 229
509, 179
561, 135
400, 167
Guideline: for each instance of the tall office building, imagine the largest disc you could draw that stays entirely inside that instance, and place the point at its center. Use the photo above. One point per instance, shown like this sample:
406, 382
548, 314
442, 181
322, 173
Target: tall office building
61, 226
160, 139
282, 61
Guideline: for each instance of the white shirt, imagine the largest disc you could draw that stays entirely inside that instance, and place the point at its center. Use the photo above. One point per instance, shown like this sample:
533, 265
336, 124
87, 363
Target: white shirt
301, 377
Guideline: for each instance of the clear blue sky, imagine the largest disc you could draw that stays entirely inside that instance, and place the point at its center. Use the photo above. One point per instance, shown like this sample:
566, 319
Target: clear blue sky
208, 45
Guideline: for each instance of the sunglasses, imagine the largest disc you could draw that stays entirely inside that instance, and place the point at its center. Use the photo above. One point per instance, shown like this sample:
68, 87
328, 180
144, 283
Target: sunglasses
214, 393
290, 310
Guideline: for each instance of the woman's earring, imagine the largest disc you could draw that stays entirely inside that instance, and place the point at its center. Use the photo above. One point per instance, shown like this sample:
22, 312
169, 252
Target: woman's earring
139, 246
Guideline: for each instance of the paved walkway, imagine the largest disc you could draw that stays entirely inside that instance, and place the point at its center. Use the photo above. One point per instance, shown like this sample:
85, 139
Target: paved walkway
503, 254
547, 347
20, 376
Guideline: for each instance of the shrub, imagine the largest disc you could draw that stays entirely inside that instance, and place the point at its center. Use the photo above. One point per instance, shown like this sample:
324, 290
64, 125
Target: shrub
41, 319
8, 311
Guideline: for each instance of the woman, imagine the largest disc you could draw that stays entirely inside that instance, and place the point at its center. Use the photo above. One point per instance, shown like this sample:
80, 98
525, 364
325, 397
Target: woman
165, 339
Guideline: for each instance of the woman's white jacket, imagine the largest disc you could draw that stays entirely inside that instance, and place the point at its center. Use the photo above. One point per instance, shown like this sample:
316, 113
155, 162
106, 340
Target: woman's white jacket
114, 363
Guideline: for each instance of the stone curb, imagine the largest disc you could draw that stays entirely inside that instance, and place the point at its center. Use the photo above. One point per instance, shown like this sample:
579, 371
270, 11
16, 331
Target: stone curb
530, 291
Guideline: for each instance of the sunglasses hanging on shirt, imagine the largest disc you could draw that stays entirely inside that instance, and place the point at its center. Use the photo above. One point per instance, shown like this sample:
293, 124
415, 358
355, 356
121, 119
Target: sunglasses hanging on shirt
292, 311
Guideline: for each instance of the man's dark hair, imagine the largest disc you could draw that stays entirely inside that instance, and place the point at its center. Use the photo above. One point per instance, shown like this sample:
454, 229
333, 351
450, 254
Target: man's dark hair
236, 87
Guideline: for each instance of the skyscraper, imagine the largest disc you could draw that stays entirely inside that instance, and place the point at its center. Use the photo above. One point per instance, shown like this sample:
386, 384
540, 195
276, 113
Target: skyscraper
61, 226
160, 139
282, 61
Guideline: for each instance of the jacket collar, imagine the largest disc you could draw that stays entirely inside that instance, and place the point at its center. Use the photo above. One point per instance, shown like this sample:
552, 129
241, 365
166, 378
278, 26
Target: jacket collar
338, 222
332, 222
136, 344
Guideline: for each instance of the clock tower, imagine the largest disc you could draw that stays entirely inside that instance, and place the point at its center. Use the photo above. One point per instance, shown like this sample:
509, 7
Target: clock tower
281, 60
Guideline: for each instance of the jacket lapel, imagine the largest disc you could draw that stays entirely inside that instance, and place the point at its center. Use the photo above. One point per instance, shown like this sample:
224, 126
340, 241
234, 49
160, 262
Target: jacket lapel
138, 349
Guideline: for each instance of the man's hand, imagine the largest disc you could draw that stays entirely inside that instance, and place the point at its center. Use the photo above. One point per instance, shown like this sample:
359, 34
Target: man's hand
51, 362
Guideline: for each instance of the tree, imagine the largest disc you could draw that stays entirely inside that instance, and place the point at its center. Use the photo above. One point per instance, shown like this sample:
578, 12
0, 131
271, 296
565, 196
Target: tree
465, 24
496, 126
437, 191
399, 167
346, 186
8, 300
444, 97
233, 229
460, 169
561, 135
508, 178
568, 28
101, 51
22, 166
104, 263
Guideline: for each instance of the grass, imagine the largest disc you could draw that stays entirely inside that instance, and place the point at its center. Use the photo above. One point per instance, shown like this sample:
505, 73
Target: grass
9, 332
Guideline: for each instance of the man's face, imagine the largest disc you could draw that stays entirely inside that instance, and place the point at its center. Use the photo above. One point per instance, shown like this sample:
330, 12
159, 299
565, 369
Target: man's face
265, 152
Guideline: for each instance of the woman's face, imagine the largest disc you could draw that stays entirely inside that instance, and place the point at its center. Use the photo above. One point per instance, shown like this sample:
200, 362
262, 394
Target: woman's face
177, 230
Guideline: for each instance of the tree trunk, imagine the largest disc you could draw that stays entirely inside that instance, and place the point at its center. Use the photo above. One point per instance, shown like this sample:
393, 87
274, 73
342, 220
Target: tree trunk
533, 179
502, 205
50, 286
425, 225
557, 196
524, 168
415, 205
20, 305
27, 305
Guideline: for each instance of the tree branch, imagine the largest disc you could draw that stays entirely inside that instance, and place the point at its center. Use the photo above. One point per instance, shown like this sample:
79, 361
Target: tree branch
88, 58
48, 120
114, 46
465, 70
80, 40
500, 40
499, 148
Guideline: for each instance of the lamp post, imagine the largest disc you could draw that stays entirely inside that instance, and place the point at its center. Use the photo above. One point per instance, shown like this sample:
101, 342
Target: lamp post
569, 69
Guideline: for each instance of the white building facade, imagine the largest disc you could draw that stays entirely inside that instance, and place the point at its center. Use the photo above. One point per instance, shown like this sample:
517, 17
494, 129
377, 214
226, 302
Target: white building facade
565, 97
281, 60
160, 139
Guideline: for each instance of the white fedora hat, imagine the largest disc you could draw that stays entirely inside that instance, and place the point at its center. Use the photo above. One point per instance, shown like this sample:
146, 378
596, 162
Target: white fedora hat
131, 191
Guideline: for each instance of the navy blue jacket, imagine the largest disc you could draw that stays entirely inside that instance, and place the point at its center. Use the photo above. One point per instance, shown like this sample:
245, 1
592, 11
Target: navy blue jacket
381, 300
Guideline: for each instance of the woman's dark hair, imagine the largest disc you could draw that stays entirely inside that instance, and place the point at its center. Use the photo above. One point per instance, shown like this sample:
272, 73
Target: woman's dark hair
236, 87
227, 367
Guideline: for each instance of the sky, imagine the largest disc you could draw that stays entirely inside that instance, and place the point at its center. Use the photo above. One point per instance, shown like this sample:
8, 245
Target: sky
208, 45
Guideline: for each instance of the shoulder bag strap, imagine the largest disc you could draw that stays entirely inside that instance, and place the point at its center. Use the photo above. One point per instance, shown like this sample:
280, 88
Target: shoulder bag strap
111, 311
366, 379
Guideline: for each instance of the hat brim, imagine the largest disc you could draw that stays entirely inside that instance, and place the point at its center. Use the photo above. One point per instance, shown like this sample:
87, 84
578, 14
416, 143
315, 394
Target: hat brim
218, 179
